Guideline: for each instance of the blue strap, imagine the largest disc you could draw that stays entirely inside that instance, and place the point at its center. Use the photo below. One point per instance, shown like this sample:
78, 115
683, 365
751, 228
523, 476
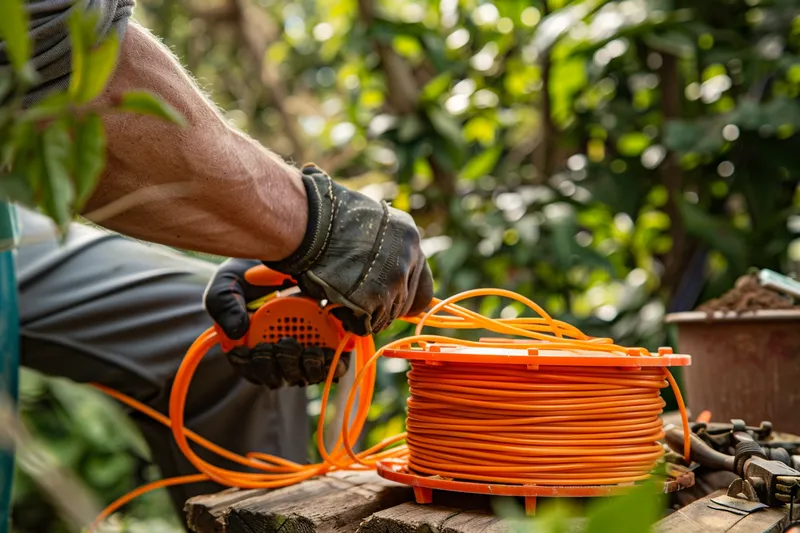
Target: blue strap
9, 348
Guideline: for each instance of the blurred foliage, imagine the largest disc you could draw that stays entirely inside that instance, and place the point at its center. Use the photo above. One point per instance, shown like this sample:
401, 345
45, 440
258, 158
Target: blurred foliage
52, 153
612, 160
94, 438
633, 512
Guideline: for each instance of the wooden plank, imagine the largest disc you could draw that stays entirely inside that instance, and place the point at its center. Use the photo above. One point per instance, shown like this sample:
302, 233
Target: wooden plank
332, 504
698, 517
203, 511
414, 518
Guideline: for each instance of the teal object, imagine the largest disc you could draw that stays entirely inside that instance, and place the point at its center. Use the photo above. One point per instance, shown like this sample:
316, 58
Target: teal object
9, 347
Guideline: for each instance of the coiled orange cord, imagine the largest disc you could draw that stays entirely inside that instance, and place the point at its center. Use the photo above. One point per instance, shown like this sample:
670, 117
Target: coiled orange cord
611, 416
556, 426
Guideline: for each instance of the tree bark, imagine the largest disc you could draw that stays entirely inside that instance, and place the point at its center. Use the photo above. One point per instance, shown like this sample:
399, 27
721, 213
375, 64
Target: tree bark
672, 178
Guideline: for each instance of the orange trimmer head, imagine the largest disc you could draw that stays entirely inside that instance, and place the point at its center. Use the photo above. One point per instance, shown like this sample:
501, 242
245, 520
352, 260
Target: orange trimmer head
295, 316
291, 314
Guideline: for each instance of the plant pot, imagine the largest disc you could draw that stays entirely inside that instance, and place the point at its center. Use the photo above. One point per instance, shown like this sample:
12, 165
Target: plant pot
744, 366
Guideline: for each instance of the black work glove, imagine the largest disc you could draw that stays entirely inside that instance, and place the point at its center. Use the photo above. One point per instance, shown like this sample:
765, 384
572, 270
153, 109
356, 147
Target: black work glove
266, 364
361, 254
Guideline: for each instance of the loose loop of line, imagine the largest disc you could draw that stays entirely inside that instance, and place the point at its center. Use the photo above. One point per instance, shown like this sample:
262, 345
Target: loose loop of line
559, 425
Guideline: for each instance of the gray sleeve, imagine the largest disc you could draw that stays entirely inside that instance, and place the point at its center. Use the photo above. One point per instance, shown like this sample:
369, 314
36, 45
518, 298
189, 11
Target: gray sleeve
105, 309
50, 38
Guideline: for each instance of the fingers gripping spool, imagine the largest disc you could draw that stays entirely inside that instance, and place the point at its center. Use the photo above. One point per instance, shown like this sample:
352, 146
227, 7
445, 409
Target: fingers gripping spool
290, 338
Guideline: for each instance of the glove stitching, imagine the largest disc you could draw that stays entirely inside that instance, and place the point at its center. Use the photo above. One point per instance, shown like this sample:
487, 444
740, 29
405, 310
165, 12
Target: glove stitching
377, 252
330, 222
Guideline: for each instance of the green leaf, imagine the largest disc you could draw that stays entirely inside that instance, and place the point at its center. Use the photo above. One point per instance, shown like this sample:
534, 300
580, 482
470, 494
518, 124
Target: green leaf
567, 78
632, 144
22, 136
15, 187
52, 106
717, 232
480, 129
91, 66
90, 152
453, 259
482, 164
410, 128
5, 87
702, 136
14, 31
438, 85
55, 160
82, 35
682, 135
635, 512
100, 64
80, 43
445, 125
146, 103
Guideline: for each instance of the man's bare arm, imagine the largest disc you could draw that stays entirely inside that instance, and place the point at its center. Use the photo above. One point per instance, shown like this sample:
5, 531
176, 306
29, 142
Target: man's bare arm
211, 188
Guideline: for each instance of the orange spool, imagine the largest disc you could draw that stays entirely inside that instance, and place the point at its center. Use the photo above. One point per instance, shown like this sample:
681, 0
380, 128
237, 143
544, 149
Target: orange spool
530, 422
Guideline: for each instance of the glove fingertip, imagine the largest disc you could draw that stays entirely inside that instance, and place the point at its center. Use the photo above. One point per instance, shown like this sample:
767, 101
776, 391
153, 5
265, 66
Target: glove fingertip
358, 324
234, 325
423, 294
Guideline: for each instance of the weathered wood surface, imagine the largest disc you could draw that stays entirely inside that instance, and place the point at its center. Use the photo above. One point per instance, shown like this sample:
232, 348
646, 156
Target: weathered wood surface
332, 504
414, 518
698, 517
349, 502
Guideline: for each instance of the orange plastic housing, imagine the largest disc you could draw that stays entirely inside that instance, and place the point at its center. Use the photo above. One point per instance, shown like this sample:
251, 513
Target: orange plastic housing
291, 316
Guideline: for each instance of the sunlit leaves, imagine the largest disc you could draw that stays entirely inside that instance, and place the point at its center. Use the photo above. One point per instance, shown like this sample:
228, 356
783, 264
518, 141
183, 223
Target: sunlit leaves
146, 103
90, 146
55, 160
53, 152
15, 187
437, 86
635, 512
481, 164
100, 64
566, 79
632, 144
14, 32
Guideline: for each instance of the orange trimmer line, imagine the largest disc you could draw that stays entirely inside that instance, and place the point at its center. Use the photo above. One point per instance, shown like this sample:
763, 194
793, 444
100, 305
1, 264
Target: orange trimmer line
542, 332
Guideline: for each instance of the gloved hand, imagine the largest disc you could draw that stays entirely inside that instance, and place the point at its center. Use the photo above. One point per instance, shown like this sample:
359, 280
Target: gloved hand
361, 254
266, 364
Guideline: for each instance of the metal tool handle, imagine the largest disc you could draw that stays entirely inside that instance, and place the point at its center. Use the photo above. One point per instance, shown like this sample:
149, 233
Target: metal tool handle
702, 453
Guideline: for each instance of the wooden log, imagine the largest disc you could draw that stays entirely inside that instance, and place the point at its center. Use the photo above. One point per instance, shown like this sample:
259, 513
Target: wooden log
332, 504
698, 517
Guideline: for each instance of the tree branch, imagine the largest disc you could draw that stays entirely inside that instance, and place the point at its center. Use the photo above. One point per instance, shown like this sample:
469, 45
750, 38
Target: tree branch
543, 153
671, 176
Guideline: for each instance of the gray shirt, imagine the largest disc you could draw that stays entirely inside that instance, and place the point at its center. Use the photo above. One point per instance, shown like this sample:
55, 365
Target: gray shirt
50, 38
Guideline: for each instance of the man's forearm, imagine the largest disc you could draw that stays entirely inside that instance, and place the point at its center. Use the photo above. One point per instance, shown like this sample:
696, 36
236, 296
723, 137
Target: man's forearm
205, 186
